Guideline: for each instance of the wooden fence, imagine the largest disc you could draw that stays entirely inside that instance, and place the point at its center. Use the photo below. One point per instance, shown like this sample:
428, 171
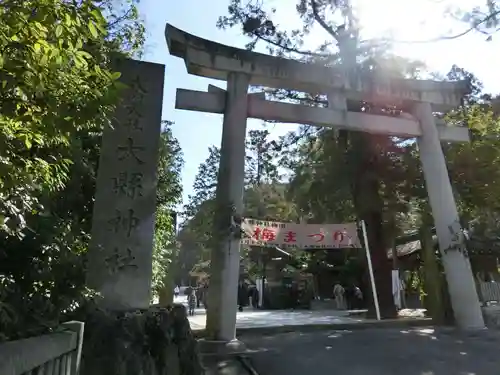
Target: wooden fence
53, 354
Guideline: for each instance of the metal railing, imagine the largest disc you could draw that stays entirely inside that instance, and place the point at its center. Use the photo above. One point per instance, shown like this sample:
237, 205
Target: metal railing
57, 353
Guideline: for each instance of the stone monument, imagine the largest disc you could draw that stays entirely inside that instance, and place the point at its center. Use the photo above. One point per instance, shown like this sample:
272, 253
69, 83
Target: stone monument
242, 68
120, 256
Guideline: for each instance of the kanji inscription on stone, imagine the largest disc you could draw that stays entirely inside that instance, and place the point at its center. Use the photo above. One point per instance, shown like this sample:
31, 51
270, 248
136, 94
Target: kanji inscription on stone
124, 221
120, 260
121, 249
128, 184
130, 150
133, 109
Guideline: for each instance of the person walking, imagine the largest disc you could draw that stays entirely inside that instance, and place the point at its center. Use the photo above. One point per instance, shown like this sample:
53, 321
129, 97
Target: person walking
242, 295
255, 297
349, 296
339, 295
177, 291
198, 296
191, 301
357, 298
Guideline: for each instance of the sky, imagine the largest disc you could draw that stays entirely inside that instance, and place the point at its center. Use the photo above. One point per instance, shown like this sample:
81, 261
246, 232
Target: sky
404, 20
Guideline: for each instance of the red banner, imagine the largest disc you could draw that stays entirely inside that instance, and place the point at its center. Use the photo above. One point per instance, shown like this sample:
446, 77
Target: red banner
302, 236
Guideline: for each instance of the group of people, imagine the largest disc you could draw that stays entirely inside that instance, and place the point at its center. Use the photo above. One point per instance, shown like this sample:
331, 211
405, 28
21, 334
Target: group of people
195, 296
349, 297
246, 294
198, 295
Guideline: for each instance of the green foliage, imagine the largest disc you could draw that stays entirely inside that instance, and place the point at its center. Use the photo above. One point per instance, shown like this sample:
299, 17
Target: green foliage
57, 94
164, 249
54, 85
126, 31
205, 182
198, 211
475, 167
44, 270
260, 156
169, 194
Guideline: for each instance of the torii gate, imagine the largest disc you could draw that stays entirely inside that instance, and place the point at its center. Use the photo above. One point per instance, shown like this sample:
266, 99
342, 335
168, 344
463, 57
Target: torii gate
242, 68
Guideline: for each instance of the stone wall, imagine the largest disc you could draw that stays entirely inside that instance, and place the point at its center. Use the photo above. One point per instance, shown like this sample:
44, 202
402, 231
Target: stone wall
156, 341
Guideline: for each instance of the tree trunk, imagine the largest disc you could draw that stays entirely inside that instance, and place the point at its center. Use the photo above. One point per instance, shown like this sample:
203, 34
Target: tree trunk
381, 268
369, 207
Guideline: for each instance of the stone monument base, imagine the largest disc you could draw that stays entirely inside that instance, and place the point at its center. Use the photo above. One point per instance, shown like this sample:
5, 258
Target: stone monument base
154, 341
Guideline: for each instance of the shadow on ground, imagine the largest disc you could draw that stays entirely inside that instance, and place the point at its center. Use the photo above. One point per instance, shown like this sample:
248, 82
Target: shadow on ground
417, 351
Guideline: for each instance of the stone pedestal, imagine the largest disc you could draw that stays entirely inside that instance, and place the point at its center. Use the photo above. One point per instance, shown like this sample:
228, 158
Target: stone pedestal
155, 341
456, 263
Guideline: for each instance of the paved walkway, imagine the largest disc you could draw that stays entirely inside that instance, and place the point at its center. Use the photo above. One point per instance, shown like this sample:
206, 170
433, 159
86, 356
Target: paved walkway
376, 352
250, 318
276, 318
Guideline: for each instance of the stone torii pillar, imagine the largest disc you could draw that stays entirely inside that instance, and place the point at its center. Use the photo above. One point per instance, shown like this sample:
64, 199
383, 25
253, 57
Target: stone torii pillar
461, 285
225, 251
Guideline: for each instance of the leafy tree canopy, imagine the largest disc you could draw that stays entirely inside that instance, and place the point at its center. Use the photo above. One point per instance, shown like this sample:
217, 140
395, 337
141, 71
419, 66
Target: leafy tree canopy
58, 92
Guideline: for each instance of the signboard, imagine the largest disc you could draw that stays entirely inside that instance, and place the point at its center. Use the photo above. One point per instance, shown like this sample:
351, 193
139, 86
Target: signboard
300, 236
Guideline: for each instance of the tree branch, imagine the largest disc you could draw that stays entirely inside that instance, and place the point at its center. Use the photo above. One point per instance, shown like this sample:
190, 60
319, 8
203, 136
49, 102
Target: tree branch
290, 49
322, 22
450, 37
258, 35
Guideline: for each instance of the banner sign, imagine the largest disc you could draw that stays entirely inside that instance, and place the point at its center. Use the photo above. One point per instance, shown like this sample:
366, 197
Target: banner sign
301, 236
